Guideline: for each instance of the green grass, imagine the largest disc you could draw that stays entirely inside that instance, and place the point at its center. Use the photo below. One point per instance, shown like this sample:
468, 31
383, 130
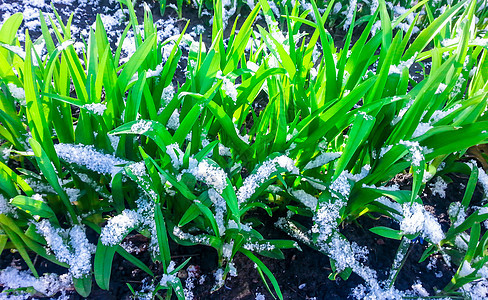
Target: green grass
337, 127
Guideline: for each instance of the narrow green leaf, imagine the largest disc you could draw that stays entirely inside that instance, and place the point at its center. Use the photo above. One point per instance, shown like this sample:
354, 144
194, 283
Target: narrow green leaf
102, 265
387, 232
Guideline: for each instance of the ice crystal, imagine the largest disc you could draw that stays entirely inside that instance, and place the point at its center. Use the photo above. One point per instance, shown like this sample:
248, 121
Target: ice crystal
219, 277
476, 290
421, 129
167, 280
466, 269
384, 150
146, 291
131, 248
197, 239
419, 289
404, 25
227, 250
341, 185
483, 180
326, 219
402, 112
404, 64
73, 194
438, 114
458, 86
316, 183
440, 88
174, 120
400, 255
416, 151
220, 209
193, 275
224, 151
259, 247
232, 269
413, 221
337, 7
260, 296
393, 205
349, 14
146, 209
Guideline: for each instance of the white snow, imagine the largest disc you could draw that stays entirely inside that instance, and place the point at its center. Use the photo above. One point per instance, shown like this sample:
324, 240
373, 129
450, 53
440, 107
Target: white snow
439, 187
76, 251
322, 159
95, 108
210, 175
117, 227
5, 206
418, 220
141, 127
263, 173
47, 284
306, 199
87, 156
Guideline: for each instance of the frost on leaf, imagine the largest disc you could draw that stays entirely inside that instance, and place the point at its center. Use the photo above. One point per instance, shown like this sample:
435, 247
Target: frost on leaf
138, 171
439, 114
167, 94
167, 280
483, 180
220, 209
326, 220
17, 92
174, 120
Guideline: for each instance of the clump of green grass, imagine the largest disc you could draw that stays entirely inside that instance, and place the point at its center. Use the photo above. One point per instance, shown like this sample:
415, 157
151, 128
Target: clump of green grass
336, 127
